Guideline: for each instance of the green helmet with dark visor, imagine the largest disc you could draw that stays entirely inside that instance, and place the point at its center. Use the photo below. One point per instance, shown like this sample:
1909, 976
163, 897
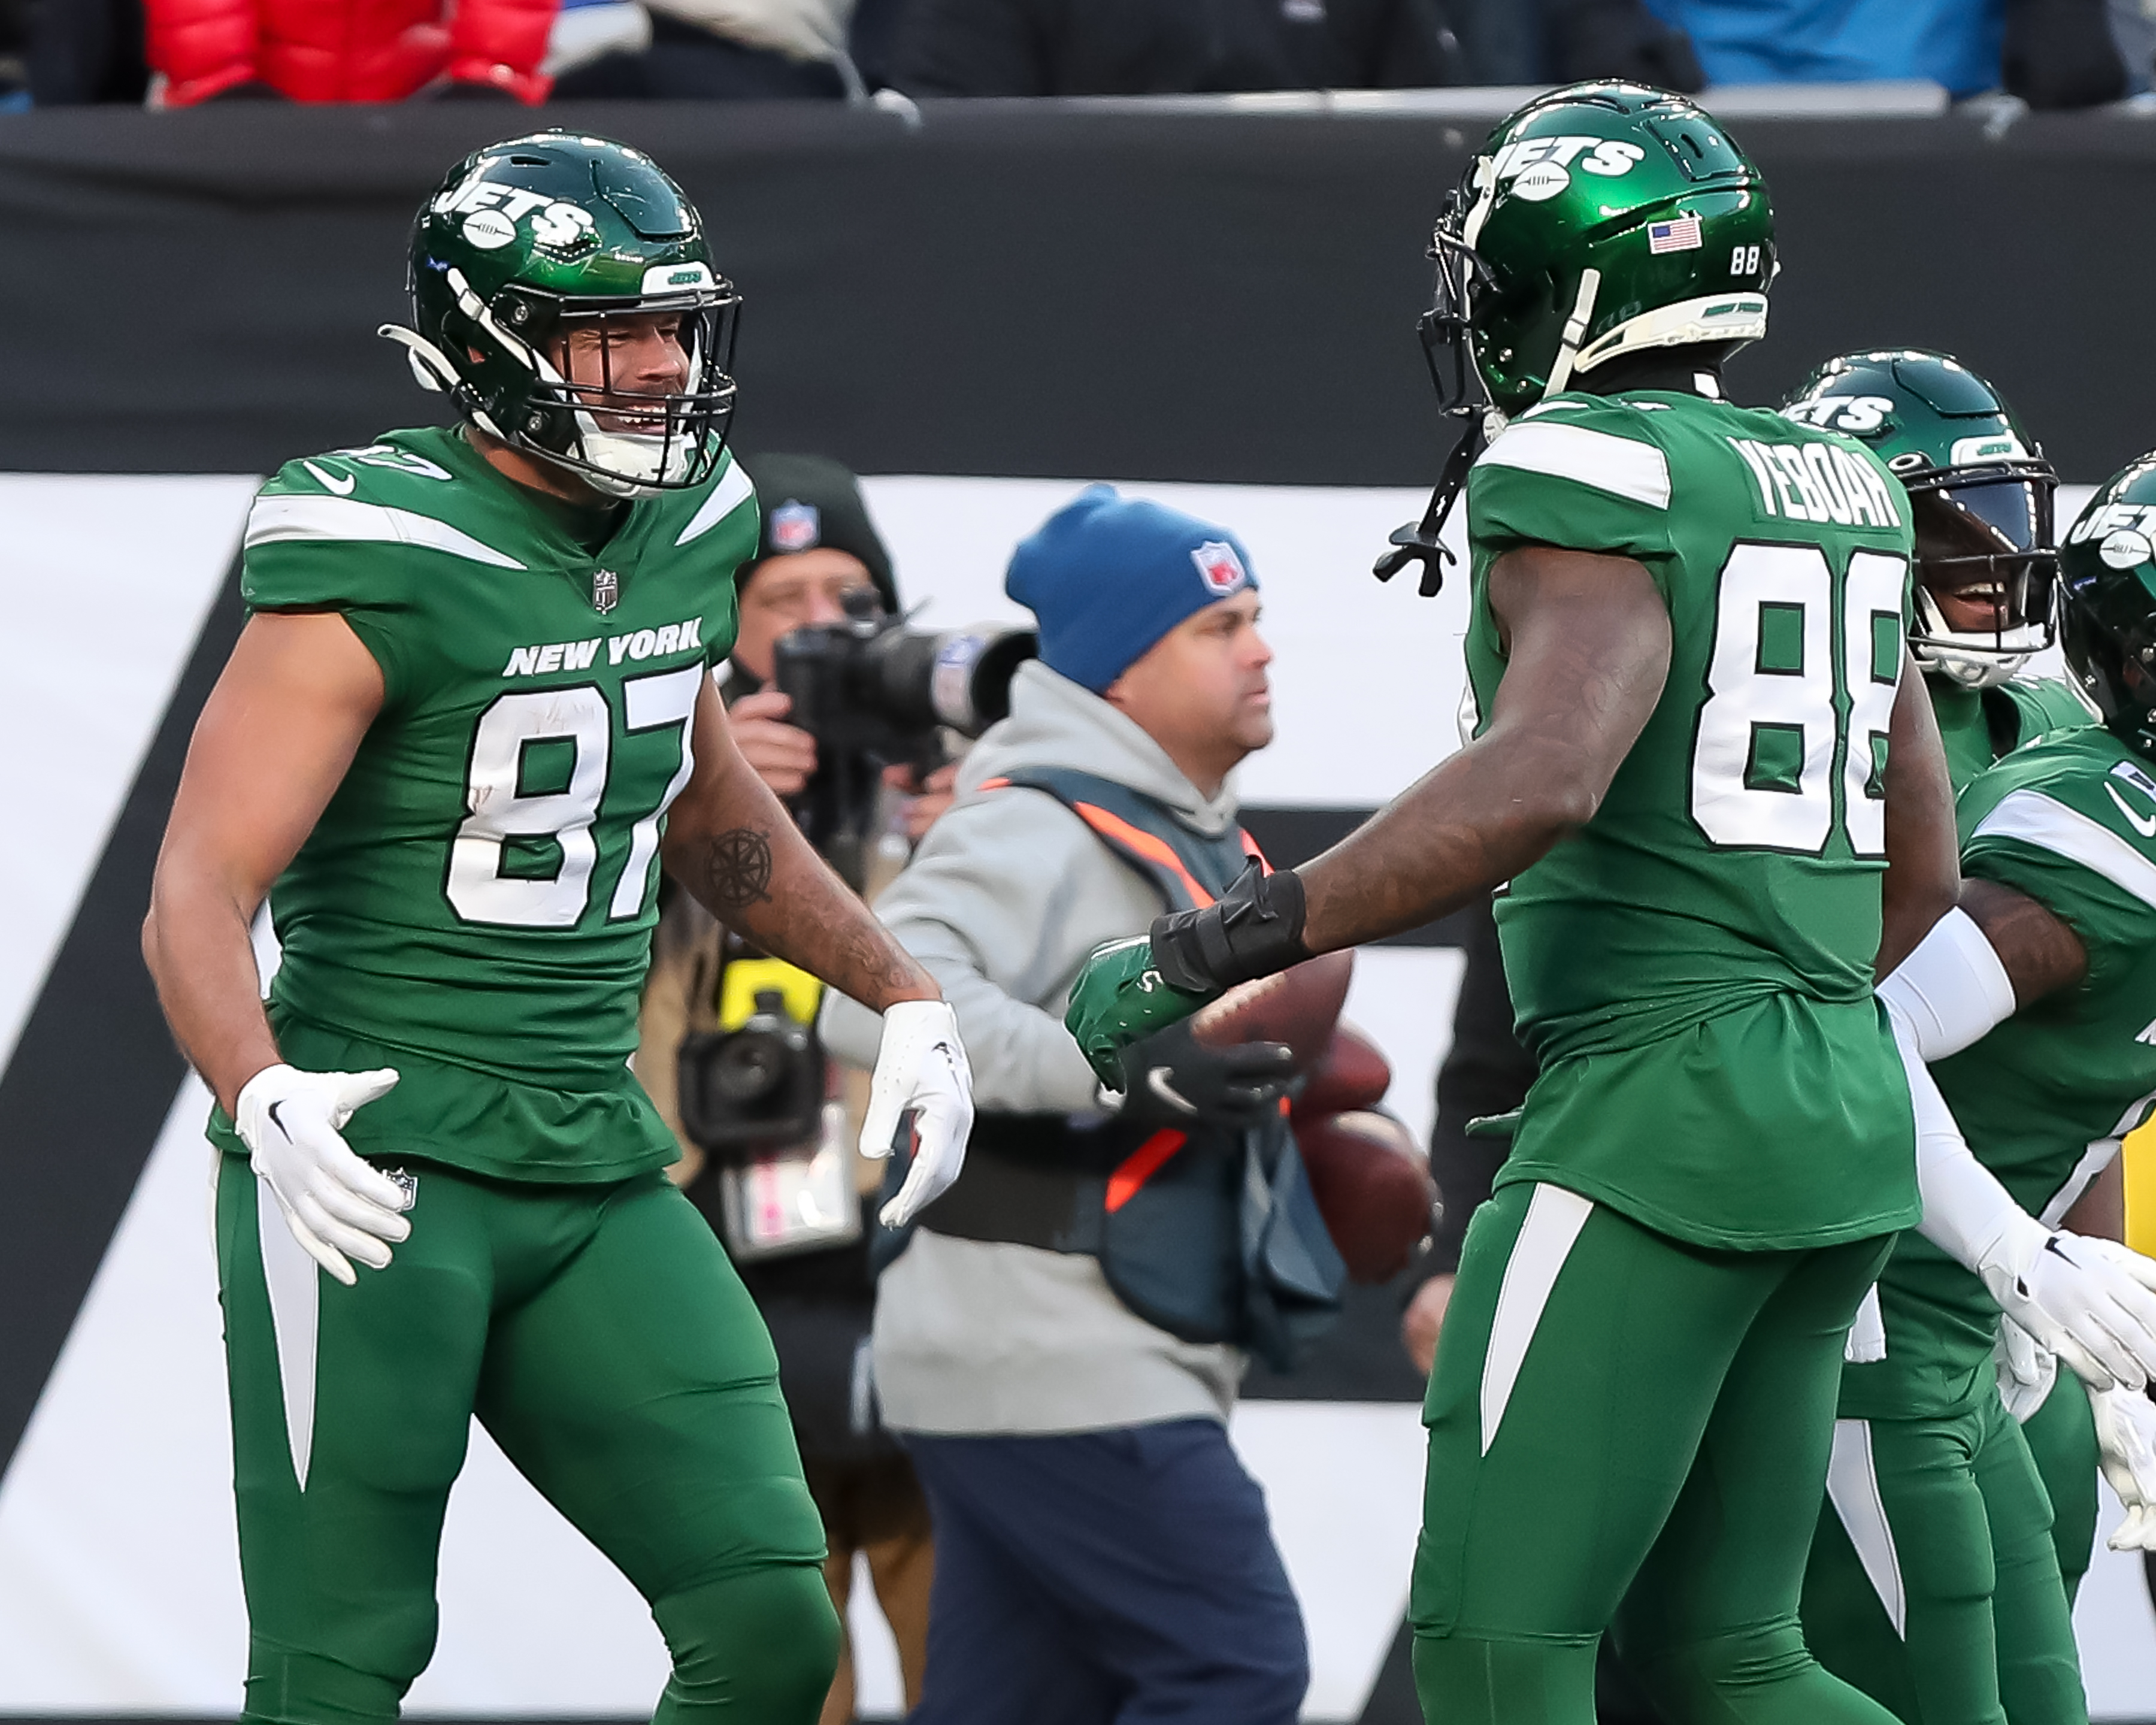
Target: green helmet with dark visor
527, 242
1980, 497
2107, 603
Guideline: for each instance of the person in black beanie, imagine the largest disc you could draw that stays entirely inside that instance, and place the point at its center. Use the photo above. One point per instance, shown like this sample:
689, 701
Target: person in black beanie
818, 549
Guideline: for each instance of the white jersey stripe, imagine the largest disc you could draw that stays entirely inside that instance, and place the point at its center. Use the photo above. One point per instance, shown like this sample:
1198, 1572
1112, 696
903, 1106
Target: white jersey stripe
1619, 465
275, 520
1852, 1487
1554, 1218
731, 491
2037, 820
294, 1288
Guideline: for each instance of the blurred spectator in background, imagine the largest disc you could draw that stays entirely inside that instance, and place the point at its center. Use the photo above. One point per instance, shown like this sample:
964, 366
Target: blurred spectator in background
347, 50
14, 55
85, 51
588, 30
729, 50
2053, 53
805, 1263
1955, 42
1006, 48
1054, 48
1616, 39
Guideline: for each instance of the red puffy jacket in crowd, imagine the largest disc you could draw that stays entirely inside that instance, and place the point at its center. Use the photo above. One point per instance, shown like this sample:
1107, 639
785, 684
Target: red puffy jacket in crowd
347, 50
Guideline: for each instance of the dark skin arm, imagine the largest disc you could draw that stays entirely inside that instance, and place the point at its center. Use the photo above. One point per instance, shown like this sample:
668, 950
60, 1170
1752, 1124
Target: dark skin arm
1587, 645
2100, 1212
732, 842
2044, 957
1923, 854
2041, 954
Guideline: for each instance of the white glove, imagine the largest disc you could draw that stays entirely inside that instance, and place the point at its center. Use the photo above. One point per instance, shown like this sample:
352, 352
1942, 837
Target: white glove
920, 1066
2091, 1302
2126, 1446
337, 1206
2027, 1371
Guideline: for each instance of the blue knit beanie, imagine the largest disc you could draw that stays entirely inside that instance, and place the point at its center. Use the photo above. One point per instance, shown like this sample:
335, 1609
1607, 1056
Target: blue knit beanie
1107, 575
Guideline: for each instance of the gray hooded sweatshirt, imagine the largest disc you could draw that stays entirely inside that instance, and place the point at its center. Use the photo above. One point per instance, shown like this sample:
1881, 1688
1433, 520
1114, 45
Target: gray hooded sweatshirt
1005, 897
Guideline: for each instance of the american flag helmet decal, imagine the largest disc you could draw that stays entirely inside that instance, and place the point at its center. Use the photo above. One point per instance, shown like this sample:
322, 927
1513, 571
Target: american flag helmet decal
1680, 234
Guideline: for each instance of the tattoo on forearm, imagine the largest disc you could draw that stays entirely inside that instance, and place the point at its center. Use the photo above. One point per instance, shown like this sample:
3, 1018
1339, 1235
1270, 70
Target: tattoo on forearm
738, 869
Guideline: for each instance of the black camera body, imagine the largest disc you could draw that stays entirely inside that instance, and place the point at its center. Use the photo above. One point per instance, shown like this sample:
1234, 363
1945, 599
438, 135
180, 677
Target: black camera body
875, 693
754, 1088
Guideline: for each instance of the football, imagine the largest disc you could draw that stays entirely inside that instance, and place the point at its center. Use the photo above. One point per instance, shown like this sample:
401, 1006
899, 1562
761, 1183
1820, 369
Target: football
1298, 1006
1351, 1074
1373, 1187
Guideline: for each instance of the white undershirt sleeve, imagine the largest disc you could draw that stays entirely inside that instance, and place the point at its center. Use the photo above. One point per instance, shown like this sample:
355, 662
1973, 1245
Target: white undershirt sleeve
1952, 990
1968, 1215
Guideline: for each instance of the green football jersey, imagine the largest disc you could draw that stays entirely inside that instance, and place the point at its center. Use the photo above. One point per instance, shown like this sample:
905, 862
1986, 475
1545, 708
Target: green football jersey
1977, 725
479, 895
1693, 966
2045, 1099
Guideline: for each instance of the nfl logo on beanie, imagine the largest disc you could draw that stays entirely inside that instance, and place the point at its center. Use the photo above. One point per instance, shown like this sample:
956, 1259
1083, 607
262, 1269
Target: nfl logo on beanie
1107, 575
795, 526
1218, 567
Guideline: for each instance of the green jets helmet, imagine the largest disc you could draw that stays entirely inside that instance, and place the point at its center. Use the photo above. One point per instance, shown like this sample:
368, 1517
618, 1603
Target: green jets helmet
1980, 496
2107, 603
527, 242
1601, 219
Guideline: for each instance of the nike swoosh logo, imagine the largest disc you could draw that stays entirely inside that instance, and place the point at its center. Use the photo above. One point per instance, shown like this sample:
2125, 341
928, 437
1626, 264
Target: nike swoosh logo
277, 1120
2147, 828
342, 487
1156, 1082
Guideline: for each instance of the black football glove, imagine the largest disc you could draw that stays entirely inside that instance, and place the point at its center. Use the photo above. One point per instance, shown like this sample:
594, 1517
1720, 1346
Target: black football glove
1171, 1079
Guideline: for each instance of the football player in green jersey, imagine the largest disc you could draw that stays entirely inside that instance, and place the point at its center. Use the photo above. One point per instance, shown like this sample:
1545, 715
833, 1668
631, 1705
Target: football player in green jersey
1934, 1582
1721, 807
1980, 496
468, 718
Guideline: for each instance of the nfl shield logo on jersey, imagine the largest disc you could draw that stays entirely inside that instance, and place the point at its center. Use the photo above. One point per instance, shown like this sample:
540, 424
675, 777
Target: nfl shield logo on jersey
606, 590
1219, 566
795, 526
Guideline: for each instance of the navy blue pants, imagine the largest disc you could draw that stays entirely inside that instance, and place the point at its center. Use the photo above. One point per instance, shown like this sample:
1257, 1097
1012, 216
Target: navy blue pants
1105, 1578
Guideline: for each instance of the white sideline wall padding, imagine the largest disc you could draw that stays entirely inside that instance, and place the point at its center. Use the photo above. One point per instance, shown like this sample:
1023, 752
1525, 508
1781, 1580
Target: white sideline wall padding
105, 582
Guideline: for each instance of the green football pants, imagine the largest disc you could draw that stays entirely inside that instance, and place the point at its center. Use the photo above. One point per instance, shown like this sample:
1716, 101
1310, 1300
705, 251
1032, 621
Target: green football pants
2062, 1435
1620, 1420
1934, 1584
603, 1337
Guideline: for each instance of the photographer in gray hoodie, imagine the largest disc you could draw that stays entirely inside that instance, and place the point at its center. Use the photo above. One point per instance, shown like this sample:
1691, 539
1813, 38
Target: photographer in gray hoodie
1101, 1551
